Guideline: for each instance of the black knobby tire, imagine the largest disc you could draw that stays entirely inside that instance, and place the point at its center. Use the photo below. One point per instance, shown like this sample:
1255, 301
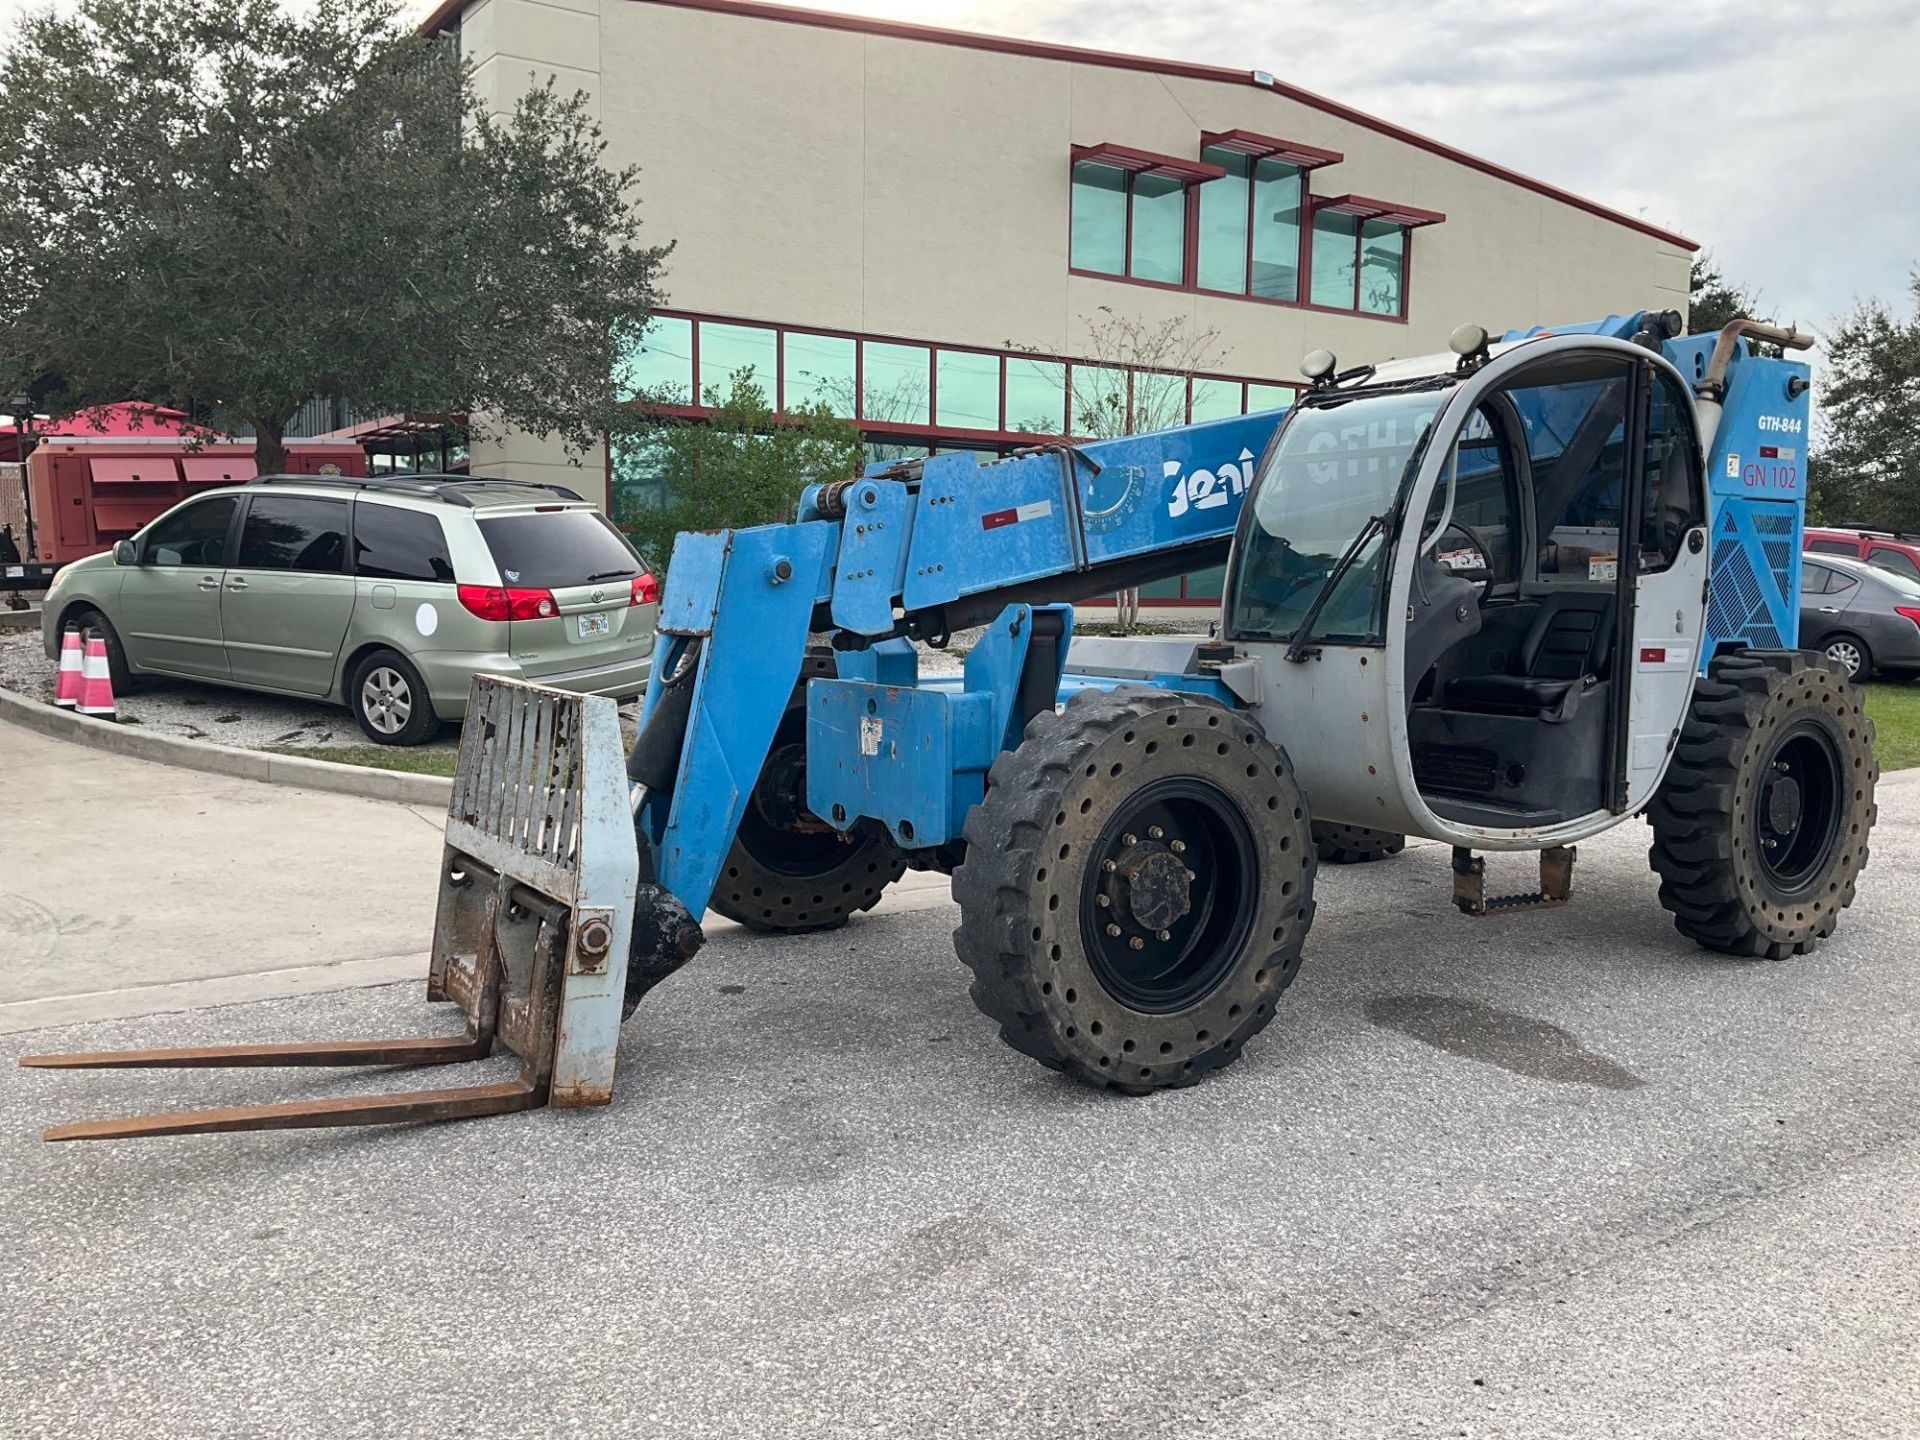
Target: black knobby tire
788, 871
1354, 844
406, 716
1034, 934
1760, 829
119, 672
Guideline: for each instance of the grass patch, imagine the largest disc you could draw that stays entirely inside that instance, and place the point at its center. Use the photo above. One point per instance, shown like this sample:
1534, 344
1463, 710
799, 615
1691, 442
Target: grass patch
1896, 720
413, 759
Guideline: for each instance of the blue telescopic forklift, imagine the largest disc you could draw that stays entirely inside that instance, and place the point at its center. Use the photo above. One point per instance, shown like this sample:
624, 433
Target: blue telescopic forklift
1503, 598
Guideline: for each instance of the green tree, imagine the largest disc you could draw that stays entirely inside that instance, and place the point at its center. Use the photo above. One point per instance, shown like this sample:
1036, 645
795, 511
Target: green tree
221, 203
1868, 470
742, 465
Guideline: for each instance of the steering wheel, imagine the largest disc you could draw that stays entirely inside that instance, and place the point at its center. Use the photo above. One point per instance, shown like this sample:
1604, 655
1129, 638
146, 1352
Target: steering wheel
1486, 555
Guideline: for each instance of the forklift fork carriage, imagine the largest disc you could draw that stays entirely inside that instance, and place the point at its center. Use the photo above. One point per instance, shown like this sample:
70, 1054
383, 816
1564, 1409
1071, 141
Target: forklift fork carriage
530, 937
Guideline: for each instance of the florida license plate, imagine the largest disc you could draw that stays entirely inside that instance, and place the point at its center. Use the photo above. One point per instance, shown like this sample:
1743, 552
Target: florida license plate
591, 625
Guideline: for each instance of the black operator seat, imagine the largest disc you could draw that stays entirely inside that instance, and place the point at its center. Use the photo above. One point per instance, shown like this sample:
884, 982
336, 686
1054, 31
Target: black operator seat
1570, 639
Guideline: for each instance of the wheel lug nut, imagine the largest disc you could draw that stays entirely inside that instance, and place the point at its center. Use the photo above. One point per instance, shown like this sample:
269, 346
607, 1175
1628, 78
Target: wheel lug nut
1109, 866
1164, 935
1129, 839
1114, 930
1154, 832
1137, 943
1191, 877
1102, 901
1179, 847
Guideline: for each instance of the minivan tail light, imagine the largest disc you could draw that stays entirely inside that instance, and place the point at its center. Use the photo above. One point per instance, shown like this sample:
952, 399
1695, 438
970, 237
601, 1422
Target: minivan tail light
646, 589
499, 602
1912, 612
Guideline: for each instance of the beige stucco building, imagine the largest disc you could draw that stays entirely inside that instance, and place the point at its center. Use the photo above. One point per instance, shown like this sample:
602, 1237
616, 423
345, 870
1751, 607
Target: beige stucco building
925, 229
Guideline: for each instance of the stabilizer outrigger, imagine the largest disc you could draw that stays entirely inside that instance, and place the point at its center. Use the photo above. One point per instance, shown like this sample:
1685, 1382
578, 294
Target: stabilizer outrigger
537, 887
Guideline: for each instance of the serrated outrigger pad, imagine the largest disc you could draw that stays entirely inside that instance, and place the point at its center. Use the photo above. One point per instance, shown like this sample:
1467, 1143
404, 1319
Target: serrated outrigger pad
530, 938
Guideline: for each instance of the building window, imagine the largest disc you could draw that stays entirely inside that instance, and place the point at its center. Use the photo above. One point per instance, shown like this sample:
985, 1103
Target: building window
660, 366
1250, 226
819, 370
1130, 213
967, 390
1336, 240
1159, 249
895, 389
1216, 399
1383, 263
726, 350
1036, 396
1099, 240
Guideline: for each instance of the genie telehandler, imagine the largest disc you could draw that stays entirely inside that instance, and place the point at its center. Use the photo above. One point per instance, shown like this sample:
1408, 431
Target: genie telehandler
1503, 598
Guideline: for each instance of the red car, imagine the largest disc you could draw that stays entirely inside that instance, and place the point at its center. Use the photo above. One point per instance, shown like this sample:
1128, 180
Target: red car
1887, 550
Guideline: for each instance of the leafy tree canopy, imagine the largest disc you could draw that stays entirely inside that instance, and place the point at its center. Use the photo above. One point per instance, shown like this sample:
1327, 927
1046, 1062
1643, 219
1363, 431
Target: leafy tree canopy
220, 203
741, 466
1868, 471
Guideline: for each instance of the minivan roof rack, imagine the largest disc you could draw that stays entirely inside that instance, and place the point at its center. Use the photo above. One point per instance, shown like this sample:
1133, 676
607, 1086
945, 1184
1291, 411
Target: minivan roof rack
438, 486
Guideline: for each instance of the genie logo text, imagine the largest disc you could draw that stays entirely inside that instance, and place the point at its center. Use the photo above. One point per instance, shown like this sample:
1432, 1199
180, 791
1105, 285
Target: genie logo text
1206, 489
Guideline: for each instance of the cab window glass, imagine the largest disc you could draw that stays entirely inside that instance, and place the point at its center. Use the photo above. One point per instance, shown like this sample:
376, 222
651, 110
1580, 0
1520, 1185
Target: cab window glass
1573, 414
394, 544
294, 532
1482, 537
194, 535
1671, 503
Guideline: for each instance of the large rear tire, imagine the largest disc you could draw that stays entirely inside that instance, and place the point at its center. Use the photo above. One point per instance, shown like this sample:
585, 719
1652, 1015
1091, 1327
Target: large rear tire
1760, 828
789, 870
1137, 889
1354, 844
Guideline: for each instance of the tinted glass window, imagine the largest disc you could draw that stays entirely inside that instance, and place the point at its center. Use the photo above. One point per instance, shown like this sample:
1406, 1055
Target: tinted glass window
1838, 584
194, 535
895, 383
292, 532
555, 548
394, 544
1276, 230
820, 372
1036, 396
661, 365
1335, 248
1672, 504
1815, 579
1897, 562
1159, 229
1215, 399
967, 385
1099, 240
1223, 224
1835, 547
726, 350
1383, 258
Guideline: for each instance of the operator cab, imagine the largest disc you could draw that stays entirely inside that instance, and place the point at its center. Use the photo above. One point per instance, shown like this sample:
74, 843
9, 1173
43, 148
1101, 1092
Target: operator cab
1502, 498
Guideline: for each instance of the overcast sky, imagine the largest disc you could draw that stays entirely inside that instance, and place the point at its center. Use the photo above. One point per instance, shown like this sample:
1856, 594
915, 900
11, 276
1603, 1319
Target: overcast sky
1785, 140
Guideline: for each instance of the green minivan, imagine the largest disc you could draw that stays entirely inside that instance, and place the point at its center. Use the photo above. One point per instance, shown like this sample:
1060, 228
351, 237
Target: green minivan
385, 595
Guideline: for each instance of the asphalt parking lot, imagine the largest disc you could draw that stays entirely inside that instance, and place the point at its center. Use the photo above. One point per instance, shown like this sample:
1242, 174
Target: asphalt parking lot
1551, 1174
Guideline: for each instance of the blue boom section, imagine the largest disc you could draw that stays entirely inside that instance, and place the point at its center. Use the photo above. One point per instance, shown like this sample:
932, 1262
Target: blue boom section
928, 541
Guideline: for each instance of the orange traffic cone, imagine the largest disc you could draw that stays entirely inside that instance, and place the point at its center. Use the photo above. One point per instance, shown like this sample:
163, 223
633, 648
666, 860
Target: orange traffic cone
96, 682
67, 693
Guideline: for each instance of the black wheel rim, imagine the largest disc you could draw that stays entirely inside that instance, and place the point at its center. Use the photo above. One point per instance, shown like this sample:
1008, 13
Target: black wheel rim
778, 829
1169, 895
1797, 808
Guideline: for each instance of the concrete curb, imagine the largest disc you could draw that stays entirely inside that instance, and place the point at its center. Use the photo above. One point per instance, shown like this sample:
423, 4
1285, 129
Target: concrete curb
28, 619
224, 759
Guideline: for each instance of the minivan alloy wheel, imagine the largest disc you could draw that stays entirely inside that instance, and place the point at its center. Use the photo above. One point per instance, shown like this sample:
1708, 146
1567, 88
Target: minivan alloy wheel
387, 699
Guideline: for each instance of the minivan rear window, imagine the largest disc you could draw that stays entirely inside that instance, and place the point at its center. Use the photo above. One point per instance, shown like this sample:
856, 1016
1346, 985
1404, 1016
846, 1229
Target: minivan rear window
555, 548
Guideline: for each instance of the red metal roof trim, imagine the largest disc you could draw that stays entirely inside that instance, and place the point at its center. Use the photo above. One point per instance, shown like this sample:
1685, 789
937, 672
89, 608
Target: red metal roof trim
1146, 162
1370, 209
1268, 147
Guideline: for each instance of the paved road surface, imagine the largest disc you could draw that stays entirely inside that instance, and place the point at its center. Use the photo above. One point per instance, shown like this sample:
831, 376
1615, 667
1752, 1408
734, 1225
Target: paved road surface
1553, 1174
